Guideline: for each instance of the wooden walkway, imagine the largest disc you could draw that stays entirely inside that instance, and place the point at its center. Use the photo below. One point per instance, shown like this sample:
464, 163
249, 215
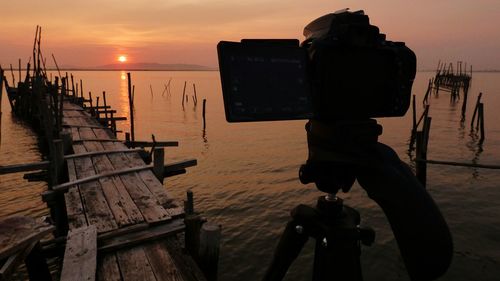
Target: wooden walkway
132, 213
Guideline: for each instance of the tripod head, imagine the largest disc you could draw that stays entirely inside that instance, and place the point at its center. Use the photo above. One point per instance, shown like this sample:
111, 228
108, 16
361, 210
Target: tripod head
335, 148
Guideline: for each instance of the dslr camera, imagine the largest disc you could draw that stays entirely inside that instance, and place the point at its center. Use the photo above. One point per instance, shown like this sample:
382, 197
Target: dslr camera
345, 69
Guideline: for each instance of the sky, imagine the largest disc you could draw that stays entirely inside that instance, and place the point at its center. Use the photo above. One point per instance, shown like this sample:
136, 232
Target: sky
97, 32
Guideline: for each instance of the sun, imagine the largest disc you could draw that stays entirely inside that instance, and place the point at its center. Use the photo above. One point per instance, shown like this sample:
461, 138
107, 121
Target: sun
122, 58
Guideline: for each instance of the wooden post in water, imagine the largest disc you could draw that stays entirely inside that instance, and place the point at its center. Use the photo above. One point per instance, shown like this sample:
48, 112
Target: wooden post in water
210, 235
193, 224
105, 108
481, 122
203, 113
414, 125
72, 87
19, 69
422, 140
184, 93
159, 162
131, 106
151, 89
475, 109
195, 97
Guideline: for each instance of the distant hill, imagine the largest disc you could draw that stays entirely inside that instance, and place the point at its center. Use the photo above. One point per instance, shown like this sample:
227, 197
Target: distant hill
150, 66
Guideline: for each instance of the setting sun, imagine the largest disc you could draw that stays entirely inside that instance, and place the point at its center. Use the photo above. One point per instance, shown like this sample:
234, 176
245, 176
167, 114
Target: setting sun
122, 58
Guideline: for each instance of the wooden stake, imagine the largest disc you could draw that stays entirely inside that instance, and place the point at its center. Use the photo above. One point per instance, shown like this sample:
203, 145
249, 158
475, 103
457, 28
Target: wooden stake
159, 162
210, 235
184, 93
131, 106
475, 109
151, 89
195, 98
203, 114
481, 118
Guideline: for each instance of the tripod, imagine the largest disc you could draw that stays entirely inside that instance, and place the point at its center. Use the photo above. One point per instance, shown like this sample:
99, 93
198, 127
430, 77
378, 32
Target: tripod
334, 225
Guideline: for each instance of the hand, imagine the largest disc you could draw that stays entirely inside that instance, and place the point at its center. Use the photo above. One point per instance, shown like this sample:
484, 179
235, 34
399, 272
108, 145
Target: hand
421, 232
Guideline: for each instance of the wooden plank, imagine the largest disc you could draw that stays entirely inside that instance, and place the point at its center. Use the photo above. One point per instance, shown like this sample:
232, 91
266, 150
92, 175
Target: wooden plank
150, 180
147, 235
80, 255
14, 261
92, 178
17, 232
107, 268
95, 205
101, 152
134, 265
162, 263
121, 204
151, 208
73, 199
26, 167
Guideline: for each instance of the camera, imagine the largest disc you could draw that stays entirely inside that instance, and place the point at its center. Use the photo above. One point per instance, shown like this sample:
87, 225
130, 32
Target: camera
345, 69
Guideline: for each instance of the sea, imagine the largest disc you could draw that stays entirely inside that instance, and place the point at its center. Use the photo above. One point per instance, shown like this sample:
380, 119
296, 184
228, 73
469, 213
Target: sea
247, 181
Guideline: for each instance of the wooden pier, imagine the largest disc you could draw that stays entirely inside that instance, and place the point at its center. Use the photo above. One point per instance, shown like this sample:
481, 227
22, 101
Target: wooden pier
113, 217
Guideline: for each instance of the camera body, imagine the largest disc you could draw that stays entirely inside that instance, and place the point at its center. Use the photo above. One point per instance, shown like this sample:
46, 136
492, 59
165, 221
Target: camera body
345, 69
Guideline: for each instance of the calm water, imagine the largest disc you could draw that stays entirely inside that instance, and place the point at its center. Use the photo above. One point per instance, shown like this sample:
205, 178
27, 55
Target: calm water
247, 181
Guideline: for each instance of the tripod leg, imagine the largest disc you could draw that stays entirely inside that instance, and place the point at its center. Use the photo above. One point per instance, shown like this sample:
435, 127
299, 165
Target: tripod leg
291, 243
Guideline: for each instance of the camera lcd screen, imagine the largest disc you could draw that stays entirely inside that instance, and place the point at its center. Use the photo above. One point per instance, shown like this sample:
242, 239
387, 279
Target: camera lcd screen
264, 80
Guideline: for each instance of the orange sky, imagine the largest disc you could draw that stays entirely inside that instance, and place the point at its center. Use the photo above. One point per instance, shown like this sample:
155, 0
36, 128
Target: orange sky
91, 32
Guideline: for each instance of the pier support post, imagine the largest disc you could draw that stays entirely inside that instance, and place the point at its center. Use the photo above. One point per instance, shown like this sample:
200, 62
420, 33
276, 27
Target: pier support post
159, 162
36, 265
209, 250
58, 205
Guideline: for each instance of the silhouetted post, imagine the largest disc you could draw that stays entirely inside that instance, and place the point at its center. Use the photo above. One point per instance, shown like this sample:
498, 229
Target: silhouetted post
475, 109
195, 98
151, 89
131, 106
414, 126
193, 224
19, 69
105, 108
203, 113
210, 235
184, 93
481, 122
73, 87
81, 92
159, 162
12, 74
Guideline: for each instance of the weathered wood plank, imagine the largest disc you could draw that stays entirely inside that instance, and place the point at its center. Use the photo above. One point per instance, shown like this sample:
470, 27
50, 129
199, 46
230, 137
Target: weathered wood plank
151, 208
80, 255
96, 207
147, 235
162, 263
17, 232
121, 204
107, 268
14, 261
134, 265
73, 200
150, 180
